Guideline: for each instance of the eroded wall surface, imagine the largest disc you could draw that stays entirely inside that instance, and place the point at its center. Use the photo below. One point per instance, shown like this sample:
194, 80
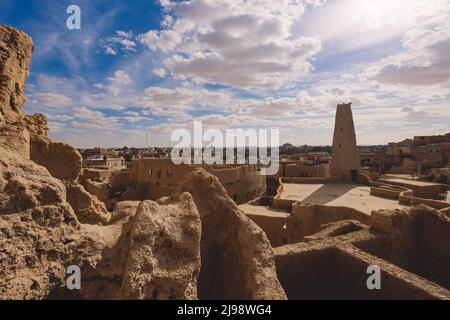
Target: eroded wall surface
155, 178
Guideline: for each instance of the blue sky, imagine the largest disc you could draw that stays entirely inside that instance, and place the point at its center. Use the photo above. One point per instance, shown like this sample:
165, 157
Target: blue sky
149, 67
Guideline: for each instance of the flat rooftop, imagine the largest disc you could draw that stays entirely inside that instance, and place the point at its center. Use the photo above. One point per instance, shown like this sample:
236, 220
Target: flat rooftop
411, 182
263, 211
339, 195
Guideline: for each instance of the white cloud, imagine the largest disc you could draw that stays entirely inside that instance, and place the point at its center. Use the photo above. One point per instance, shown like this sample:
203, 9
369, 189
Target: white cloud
117, 108
238, 43
425, 60
50, 99
177, 102
134, 119
59, 117
110, 51
120, 77
93, 119
116, 84
132, 113
165, 40
303, 102
160, 72
122, 41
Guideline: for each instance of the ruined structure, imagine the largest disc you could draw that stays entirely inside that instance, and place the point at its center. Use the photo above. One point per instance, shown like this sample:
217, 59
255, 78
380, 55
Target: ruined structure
345, 162
195, 242
305, 171
152, 178
405, 245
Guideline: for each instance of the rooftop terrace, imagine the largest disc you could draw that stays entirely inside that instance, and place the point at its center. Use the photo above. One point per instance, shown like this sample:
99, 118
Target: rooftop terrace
339, 195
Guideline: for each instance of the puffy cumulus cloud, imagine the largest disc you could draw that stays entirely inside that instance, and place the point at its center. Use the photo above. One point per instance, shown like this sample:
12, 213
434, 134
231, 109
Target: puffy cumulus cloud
49, 99
233, 121
59, 117
302, 103
160, 72
165, 40
178, 101
121, 77
167, 128
216, 121
426, 60
365, 92
222, 122
114, 86
134, 117
121, 41
240, 43
116, 107
414, 113
92, 119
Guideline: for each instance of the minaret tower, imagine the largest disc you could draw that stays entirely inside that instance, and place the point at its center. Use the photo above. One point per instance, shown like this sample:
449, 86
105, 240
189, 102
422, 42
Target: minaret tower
345, 159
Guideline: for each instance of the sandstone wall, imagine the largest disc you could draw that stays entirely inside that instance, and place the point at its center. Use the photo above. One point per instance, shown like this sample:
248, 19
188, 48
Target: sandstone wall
97, 189
162, 246
385, 192
419, 241
308, 219
304, 220
273, 226
62, 160
334, 265
408, 198
428, 191
296, 170
15, 57
237, 258
155, 178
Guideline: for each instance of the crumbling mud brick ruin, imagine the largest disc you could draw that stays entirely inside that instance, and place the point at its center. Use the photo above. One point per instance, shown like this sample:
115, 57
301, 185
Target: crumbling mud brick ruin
165, 232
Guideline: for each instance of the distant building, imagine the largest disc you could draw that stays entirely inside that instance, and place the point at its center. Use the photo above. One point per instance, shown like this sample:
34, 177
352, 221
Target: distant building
422, 153
373, 160
105, 162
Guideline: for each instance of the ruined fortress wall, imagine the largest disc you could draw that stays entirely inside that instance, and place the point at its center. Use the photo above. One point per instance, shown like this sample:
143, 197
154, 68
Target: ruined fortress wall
345, 159
408, 198
153, 178
418, 241
340, 273
279, 203
433, 237
385, 192
120, 179
428, 191
304, 220
299, 170
95, 174
243, 183
400, 170
410, 247
298, 180
308, 219
273, 226
284, 204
